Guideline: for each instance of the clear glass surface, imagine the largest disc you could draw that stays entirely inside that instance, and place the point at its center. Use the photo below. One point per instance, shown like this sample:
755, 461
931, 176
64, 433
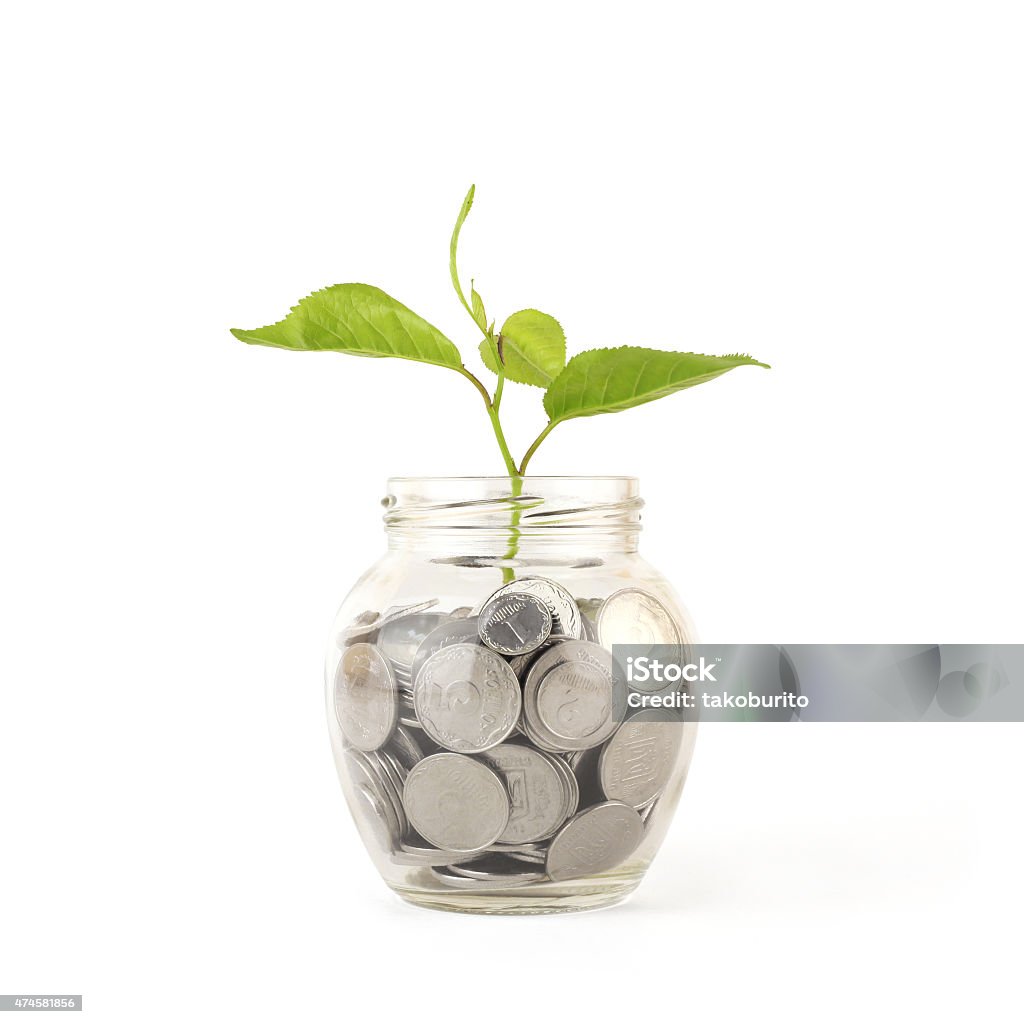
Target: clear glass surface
453, 542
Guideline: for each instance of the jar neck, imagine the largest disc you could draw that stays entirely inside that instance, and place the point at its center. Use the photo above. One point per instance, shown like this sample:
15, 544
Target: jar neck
563, 518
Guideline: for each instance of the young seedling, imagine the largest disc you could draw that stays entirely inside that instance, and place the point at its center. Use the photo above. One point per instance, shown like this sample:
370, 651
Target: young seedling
528, 349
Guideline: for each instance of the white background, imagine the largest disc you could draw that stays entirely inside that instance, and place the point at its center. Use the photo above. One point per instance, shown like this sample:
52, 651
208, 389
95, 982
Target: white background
834, 187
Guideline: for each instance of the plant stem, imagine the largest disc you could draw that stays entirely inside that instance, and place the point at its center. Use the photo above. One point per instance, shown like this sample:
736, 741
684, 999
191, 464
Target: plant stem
533, 448
493, 405
508, 574
510, 463
499, 387
492, 415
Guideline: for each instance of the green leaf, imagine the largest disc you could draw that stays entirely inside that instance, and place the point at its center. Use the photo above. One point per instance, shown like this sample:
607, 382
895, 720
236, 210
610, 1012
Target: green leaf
467, 205
612, 379
361, 320
478, 309
533, 345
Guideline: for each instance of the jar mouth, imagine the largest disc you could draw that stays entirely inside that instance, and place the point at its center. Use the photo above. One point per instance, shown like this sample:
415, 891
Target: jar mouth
506, 479
525, 504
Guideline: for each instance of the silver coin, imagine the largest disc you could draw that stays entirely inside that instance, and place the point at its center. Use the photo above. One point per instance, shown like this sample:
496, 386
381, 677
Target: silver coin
392, 784
461, 613
393, 794
396, 771
371, 819
450, 878
397, 611
466, 697
365, 697
636, 763
572, 788
570, 696
490, 866
406, 747
527, 858
524, 849
414, 852
520, 664
575, 759
362, 626
365, 779
513, 623
583, 765
357, 628
400, 639
451, 631
595, 840
456, 803
536, 791
633, 616
406, 711
565, 615
542, 741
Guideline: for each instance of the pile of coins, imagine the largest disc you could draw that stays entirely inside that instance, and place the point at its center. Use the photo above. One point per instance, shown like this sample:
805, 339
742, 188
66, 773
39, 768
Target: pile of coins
487, 744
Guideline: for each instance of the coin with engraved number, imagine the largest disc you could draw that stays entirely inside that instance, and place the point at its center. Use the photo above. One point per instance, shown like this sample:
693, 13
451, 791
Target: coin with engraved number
570, 696
456, 802
365, 697
466, 697
633, 616
595, 840
513, 624
536, 788
566, 621
636, 763
451, 631
487, 748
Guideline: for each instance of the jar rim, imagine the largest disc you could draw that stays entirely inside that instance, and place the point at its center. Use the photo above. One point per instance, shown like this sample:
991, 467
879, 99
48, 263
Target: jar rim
526, 505
496, 478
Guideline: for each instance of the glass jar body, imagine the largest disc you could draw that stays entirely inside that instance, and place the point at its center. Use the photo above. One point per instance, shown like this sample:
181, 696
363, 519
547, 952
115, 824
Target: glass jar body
409, 664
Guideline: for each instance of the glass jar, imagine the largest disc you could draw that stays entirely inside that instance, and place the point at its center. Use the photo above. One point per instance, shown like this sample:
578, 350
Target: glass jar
468, 704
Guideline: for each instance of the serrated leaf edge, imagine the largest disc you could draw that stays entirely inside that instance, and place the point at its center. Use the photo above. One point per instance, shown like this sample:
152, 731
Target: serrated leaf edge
745, 360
